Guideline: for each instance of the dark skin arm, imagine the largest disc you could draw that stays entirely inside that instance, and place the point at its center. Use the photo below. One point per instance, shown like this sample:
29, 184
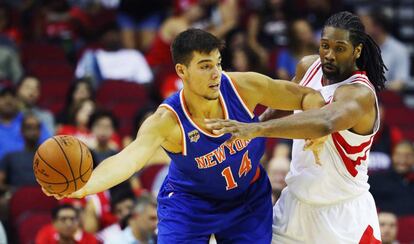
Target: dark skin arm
353, 108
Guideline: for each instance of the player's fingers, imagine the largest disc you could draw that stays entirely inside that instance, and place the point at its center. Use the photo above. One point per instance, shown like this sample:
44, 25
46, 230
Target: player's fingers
46, 192
308, 144
224, 130
316, 155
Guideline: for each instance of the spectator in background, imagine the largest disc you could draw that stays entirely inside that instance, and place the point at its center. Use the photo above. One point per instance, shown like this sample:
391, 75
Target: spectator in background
394, 53
65, 228
244, 59
186, 13
122, 204
16, 168
222, 16
384, 141
112, 62
141, 224
55, 24
10, 66
393, 189
389, 227
301, 43
277, 170
7, 28
11, 119
78, 91
28, 92
78, 123
139, 22
267, 28
103, 125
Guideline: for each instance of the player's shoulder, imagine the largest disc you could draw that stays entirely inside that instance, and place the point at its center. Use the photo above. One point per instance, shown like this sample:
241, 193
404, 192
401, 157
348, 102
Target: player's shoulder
355, 91
303, 65
248, 80
165, 114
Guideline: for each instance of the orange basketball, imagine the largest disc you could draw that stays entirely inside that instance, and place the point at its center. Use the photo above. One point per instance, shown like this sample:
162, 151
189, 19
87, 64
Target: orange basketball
62, 164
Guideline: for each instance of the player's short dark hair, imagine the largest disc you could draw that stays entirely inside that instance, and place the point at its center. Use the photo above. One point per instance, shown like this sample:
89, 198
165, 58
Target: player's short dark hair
101, 113
370, 59
56, 210
192, 40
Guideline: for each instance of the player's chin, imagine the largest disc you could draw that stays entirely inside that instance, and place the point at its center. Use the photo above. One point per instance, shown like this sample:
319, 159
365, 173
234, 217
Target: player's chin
212, 97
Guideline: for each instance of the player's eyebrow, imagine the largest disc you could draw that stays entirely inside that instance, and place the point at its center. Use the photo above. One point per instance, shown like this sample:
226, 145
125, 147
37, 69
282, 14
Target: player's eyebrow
342, 42
204, 61
207, 60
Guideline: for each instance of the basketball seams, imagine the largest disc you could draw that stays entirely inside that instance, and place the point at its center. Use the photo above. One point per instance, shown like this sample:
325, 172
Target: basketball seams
41, 158
67, 161
81, 160
68, 182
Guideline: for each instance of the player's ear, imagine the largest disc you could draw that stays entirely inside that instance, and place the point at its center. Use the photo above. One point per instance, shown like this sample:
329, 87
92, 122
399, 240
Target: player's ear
358, 51
180, 69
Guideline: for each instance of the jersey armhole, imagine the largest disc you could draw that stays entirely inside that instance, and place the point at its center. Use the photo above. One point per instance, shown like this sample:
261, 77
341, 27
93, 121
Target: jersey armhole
234, 87
184, 145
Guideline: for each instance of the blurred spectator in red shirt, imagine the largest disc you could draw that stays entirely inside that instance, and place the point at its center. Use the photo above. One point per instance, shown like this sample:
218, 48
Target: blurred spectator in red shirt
64, 229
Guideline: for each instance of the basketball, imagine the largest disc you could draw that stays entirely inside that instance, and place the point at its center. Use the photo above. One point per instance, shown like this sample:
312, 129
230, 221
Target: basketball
62, 164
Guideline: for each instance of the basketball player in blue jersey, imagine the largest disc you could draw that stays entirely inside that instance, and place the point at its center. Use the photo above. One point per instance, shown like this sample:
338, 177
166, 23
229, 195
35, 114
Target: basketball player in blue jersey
214, 186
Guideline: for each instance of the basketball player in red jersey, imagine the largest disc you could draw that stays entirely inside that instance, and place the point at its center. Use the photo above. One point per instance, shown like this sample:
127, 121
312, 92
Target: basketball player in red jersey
329, 203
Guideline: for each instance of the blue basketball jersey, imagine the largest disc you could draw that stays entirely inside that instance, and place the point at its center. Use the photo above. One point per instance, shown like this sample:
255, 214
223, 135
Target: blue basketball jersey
209, 165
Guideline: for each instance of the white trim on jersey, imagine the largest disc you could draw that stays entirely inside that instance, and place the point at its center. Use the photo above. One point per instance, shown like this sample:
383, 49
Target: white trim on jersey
239, 97
310, 73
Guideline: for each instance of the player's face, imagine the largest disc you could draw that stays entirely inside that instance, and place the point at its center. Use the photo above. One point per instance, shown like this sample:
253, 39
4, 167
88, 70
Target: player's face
338, 55
203, 74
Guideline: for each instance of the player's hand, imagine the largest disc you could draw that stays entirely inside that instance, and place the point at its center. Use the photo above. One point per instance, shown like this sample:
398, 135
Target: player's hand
316, 146
77, 194
57, 196
237, 129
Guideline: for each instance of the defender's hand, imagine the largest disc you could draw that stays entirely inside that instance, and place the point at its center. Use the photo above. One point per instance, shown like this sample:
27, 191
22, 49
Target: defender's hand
237, 129
316, 146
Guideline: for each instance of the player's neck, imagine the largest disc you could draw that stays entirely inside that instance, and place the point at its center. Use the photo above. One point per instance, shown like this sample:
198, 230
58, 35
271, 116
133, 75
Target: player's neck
200, 107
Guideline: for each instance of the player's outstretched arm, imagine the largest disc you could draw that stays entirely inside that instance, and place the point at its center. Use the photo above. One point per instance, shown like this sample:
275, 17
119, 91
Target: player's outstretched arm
351, 103
255, 88
118, 168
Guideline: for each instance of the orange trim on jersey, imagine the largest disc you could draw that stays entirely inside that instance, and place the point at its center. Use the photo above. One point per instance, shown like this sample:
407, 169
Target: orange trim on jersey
256, 176
188, 114
184, 144
233, 85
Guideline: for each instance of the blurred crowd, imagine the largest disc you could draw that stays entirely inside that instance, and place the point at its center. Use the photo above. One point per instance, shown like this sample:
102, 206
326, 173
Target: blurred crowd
95, 69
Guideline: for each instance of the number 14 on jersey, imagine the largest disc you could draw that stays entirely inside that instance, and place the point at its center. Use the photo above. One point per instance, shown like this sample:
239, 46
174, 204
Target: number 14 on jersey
245, 167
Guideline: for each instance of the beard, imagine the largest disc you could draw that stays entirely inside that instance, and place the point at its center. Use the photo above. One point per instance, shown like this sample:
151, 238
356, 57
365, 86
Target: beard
332, 73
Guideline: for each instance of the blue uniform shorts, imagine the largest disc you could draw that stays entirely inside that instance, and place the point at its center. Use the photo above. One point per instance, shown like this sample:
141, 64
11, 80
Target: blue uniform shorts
188, 218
